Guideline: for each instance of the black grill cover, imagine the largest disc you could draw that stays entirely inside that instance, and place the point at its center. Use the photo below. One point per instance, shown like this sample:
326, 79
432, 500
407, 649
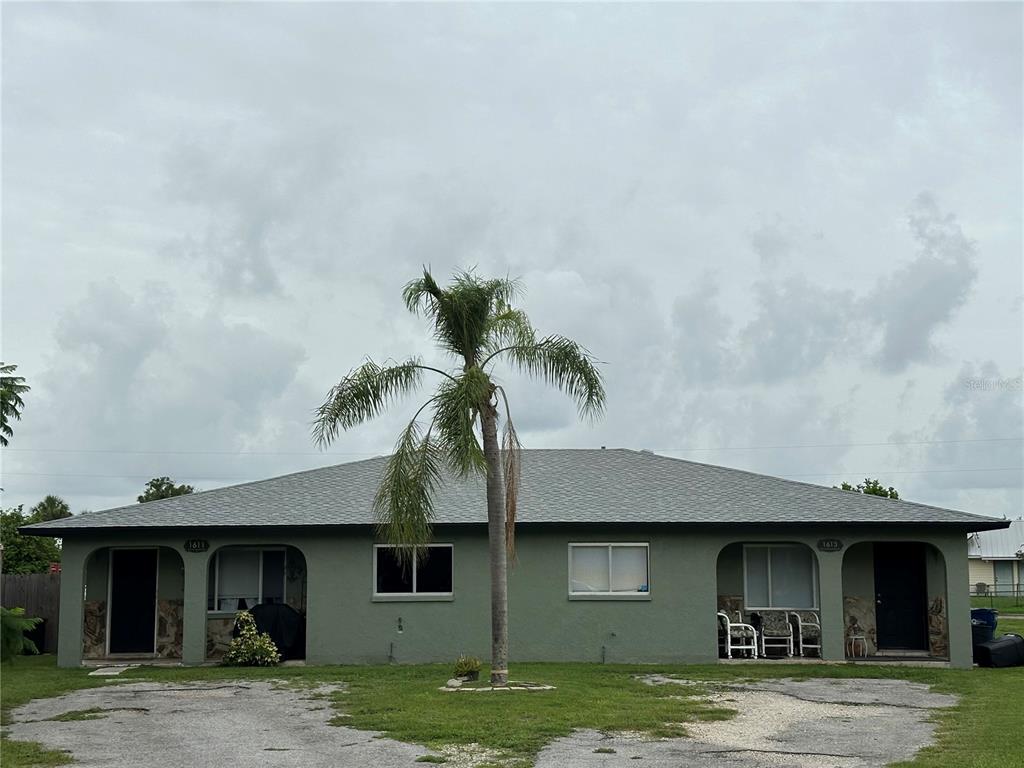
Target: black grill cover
286, 627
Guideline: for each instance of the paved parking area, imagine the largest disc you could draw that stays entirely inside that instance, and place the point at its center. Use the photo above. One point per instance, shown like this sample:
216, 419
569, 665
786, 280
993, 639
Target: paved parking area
794, 724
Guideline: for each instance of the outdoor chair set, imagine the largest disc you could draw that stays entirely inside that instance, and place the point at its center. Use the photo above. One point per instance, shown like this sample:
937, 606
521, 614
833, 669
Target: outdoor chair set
794, 632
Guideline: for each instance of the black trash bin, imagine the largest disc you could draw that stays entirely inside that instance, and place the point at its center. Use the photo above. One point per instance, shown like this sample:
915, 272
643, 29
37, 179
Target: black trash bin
983, 628
986, 616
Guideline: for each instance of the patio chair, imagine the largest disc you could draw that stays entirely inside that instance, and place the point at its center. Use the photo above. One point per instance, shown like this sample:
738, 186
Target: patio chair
776, 632
807, 631
736, 636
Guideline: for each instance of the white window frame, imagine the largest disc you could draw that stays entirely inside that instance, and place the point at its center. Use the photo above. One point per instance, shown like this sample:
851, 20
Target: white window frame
814, 579
414, 595
609, 546
216, 577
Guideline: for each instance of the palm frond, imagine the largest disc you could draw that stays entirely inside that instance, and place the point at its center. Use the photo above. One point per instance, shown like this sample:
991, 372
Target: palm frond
509, 328
462, 312
458, 404
363, 394
511, 458
563, 363
404, 504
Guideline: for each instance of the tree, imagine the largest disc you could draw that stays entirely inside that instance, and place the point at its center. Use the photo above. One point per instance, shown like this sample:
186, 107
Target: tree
50, 508
476, 326
163, 488
11, 405
871, 488
25, 554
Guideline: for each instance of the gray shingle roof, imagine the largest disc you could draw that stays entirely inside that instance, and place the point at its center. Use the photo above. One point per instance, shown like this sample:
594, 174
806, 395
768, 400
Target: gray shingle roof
558, 486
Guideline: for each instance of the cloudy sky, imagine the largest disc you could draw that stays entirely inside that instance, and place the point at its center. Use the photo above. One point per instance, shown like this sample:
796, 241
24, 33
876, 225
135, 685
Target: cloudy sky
791, 232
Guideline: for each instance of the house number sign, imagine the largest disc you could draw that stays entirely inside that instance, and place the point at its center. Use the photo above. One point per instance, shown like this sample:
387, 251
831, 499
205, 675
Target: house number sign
197, 545
830, 545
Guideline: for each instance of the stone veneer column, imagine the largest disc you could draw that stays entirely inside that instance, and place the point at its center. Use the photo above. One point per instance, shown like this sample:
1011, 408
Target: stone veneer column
830, 596
72, 578
193, 642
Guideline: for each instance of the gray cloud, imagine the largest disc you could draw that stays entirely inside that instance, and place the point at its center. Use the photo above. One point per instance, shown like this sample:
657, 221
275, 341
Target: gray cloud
913, 303
283, 172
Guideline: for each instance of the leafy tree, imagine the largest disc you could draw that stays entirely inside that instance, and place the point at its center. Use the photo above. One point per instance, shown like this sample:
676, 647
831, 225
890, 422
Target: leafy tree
871, 488
11, 405
476, 327
25, 554
50, 508
163, 488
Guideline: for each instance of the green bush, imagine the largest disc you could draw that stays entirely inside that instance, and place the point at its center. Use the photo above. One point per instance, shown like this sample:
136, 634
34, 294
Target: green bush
13, 626
467, 666
250, 648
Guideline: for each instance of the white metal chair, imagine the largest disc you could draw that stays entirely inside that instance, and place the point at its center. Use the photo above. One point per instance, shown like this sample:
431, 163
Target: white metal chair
775, 632
807, 633
736, 636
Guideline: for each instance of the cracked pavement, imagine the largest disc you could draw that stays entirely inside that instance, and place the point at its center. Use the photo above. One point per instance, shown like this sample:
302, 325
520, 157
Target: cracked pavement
822, 723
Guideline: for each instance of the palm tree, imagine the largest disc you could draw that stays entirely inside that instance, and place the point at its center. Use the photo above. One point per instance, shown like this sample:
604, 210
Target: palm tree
11, 405
473, 323
50, 508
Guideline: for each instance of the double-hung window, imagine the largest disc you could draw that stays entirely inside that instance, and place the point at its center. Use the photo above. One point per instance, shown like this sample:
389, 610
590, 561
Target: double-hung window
779, 576
241, 577
610, 570
430, 576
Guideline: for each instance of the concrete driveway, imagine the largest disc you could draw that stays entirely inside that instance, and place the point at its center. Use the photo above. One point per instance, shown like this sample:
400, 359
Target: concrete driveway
796, 724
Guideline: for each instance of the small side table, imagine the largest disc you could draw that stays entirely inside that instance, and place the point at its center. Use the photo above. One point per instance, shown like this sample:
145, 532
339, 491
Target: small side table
852, 642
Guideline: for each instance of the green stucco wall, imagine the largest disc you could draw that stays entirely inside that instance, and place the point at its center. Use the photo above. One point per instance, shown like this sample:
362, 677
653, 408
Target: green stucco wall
676, 624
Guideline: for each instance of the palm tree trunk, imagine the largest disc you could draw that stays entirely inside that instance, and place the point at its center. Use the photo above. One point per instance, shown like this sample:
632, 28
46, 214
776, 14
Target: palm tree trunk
498, 552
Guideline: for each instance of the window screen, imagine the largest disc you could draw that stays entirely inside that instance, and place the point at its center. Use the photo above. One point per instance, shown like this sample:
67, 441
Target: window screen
780, 577
434, 570
241, 578
238, 585
608, 568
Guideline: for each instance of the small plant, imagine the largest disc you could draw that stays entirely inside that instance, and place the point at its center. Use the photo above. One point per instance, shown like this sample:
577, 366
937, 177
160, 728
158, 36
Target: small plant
251, 648
13, 626
467, 667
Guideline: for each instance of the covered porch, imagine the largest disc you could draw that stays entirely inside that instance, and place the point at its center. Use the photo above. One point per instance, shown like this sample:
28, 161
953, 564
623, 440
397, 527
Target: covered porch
133, 604
891, 595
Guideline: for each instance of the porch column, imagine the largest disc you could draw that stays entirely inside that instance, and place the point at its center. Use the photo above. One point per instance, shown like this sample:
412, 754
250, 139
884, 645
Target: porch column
72, 587
958, 601
830, 593
193, 635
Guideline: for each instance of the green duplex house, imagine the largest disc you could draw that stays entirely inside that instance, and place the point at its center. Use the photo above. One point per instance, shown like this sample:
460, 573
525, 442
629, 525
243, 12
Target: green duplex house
622, 556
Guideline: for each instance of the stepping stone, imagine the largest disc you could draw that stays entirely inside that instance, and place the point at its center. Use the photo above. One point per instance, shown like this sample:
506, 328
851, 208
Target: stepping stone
110, 671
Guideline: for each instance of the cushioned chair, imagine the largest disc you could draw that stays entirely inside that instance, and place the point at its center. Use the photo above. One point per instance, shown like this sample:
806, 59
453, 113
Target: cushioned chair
806, 631
775, 632
736, 636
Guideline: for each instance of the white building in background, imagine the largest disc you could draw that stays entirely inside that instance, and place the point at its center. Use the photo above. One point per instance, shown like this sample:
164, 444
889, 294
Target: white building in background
995, 560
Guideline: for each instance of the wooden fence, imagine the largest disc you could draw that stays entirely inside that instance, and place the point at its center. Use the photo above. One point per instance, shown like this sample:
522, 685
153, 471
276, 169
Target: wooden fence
39, 595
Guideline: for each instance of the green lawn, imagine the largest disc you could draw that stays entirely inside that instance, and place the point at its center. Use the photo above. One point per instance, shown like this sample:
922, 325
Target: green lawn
1012, 605
984, 731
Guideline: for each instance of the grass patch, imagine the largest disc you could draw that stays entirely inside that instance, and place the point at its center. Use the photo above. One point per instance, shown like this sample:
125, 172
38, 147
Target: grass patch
404, 702
431, 759
29, 753
1001, 604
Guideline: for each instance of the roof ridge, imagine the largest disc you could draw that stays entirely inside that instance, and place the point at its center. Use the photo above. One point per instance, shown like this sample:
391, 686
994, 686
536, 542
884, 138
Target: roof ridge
776, 478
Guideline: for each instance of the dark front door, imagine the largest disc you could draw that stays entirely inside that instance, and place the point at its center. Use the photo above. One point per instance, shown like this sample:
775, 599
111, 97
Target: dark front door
132, 600
901, 597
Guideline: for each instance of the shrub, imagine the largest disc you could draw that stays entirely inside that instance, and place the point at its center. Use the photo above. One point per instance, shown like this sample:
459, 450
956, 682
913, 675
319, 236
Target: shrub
467, 666
250, 648
13, 626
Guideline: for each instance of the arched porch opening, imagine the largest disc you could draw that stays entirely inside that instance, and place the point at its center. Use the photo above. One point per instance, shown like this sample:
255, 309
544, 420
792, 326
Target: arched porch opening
133, 603
773, 587
894, 600
270, 581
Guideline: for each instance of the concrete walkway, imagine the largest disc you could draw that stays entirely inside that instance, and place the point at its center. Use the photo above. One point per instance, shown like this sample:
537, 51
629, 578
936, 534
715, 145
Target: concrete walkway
800, 724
